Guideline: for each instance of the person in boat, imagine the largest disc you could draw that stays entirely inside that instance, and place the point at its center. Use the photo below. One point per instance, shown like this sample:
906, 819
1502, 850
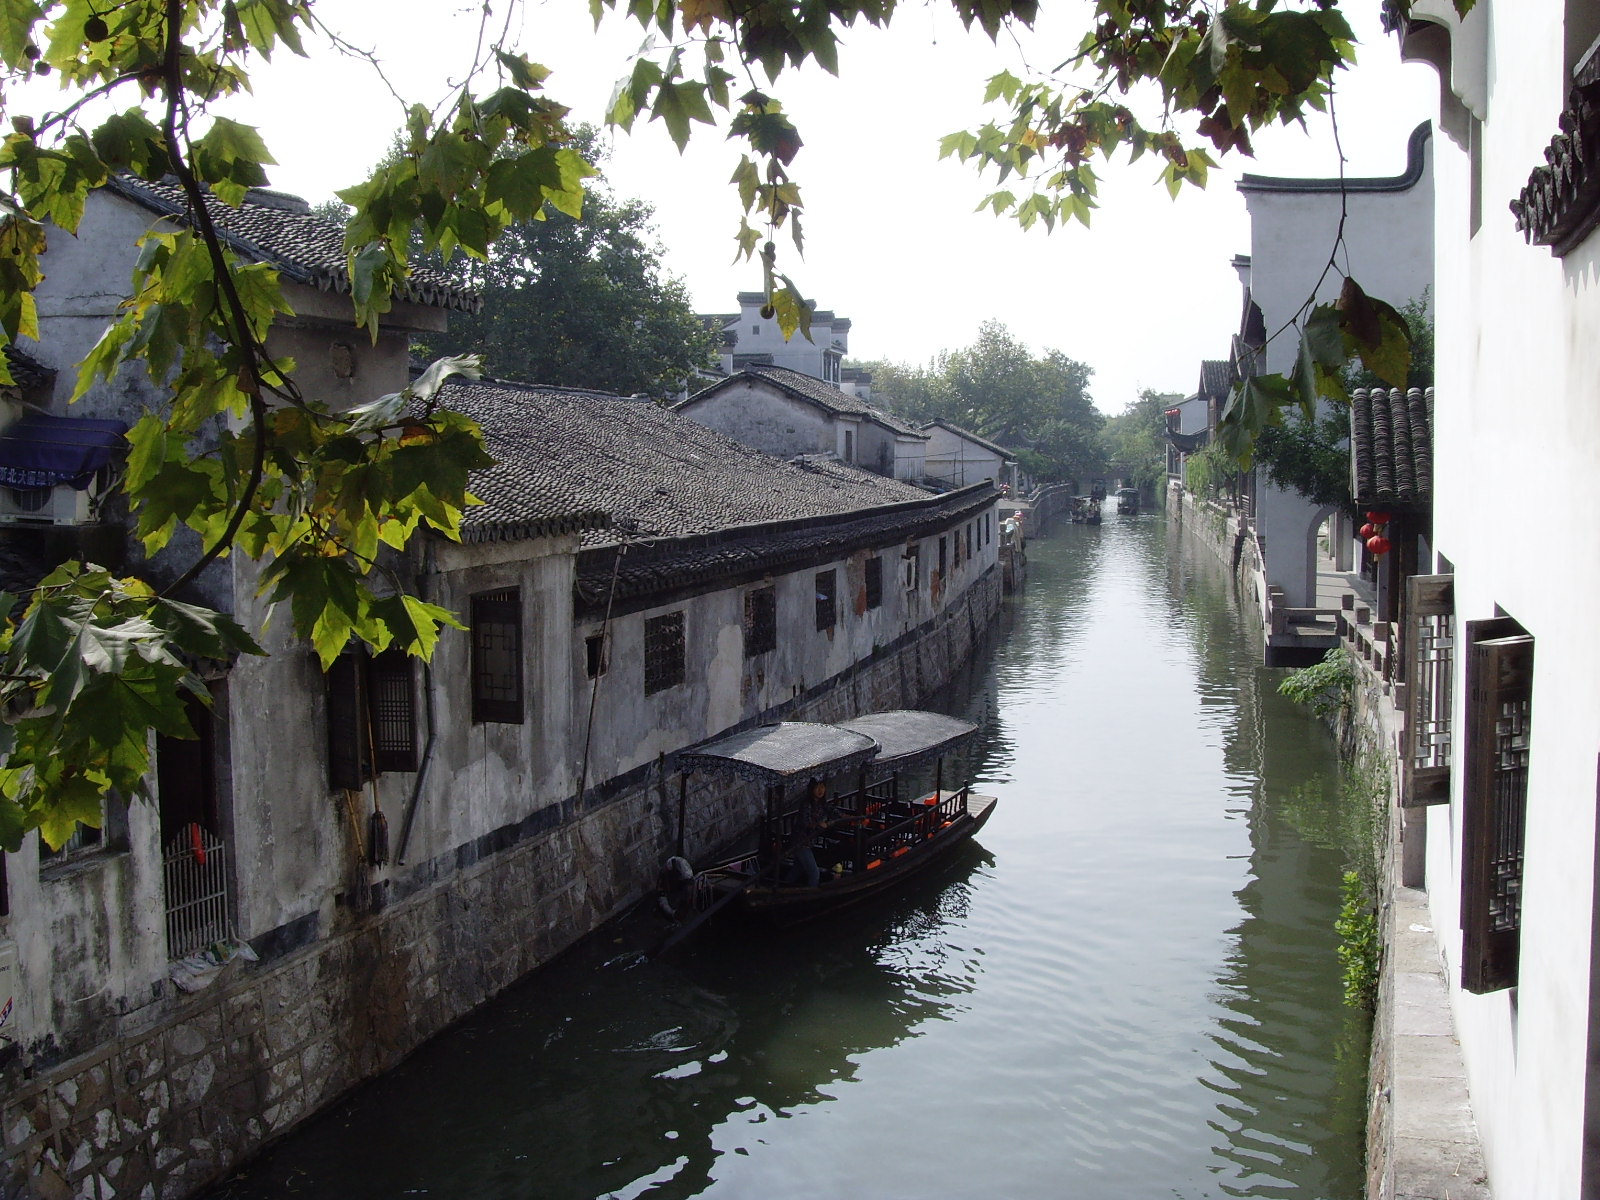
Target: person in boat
815, 815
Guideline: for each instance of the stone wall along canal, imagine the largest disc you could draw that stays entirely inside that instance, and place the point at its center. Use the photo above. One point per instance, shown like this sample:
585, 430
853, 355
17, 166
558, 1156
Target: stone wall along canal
1126, 989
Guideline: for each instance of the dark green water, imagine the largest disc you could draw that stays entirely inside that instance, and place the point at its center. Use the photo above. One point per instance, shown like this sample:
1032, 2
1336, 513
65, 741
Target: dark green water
1127, 989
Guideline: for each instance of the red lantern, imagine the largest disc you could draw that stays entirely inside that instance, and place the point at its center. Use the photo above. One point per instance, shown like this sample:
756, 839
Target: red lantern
1377, 546
1378, 518
1368, 531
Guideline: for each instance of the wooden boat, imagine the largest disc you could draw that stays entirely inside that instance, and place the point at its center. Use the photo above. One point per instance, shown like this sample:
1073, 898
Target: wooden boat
1128, 500
874, 836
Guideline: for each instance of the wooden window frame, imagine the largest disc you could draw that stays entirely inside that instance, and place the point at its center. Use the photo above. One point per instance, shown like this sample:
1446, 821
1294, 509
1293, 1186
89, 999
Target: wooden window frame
1494, 801
665, 654
874, 582
760, 620
497, 656
827, 593
1430, 664
372, 716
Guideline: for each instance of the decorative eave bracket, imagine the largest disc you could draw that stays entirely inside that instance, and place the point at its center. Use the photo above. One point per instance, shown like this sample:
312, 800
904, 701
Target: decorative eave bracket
1560, 206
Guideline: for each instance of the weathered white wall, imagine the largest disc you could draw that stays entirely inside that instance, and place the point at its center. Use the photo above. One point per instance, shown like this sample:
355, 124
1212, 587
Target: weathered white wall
957, 460
769, 420
721, 686
1519, 400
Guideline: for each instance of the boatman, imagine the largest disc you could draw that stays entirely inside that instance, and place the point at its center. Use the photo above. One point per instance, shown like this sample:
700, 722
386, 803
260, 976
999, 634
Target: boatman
814, 816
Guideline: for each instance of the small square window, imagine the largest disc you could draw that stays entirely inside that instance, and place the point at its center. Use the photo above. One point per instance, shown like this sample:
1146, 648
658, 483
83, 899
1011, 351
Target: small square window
827, 599
497, 656
663, 652
875, 581
760, 621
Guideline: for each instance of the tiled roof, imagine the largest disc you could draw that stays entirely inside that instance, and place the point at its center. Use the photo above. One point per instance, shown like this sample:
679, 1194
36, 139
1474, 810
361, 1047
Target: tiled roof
814, 391
972, 437
1391, 443
582, 460
1216, 377
648, 570
282, 230
27, 371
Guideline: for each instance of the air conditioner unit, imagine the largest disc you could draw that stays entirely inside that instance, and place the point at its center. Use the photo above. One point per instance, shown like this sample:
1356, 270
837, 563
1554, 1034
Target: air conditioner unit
59, 505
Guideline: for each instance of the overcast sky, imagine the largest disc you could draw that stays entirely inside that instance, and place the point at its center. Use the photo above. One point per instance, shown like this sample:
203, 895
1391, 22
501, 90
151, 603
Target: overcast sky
892, 239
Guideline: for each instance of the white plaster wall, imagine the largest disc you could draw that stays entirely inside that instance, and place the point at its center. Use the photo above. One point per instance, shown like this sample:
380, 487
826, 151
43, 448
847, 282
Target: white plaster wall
951, 457
767, 419
721, 687
761, 335
1519, 401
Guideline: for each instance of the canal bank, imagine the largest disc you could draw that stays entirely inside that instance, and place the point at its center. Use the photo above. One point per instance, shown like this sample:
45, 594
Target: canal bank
1126, 988
1421, 1141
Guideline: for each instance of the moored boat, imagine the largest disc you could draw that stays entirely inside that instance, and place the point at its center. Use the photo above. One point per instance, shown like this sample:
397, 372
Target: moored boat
840, 825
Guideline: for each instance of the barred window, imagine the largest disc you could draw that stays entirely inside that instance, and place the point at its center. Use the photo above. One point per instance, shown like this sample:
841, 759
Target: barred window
497, 656
760, 621
663, 652
827, 599
1494, 802
875, 581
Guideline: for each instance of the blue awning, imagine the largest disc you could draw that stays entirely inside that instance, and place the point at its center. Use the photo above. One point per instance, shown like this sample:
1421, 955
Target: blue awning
40, 451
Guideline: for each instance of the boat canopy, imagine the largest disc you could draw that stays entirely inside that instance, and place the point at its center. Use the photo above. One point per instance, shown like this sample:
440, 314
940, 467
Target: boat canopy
908, 735
772, 754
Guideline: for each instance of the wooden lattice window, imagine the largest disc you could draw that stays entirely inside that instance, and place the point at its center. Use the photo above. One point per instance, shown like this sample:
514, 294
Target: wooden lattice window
497, 656
827, 599
372, 721
1495, 797
663, 652
760, 621
875, 581
1430, 661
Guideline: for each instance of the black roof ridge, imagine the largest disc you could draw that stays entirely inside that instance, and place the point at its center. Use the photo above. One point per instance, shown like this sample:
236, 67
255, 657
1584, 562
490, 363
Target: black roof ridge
1402, 182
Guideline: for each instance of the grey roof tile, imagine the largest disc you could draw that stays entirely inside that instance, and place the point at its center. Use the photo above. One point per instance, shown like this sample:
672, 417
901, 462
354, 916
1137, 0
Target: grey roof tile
282, 230
1391, 443
590, 459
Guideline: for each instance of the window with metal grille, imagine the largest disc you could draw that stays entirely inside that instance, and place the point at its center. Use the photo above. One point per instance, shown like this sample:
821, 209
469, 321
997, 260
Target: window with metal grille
827, 599
85, 839
875, 581
1430, 660
497, 656
1495, 798
760, 621
663, 652
372, 724
596, 654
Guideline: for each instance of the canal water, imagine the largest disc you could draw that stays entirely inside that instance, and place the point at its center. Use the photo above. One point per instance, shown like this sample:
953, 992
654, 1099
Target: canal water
1126, 988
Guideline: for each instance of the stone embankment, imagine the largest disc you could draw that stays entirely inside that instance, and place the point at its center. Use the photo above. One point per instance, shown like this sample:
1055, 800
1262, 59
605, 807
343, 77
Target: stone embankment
174, 1103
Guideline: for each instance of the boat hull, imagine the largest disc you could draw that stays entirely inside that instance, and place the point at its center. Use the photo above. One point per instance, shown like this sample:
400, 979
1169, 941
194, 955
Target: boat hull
792, 904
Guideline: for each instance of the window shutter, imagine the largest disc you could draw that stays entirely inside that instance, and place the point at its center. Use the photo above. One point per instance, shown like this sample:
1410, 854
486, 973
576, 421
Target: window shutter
1430, 661
391, 708
1499, 695
347, 723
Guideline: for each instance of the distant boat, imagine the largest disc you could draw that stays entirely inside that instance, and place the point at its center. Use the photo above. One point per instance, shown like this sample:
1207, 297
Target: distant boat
1128, 500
